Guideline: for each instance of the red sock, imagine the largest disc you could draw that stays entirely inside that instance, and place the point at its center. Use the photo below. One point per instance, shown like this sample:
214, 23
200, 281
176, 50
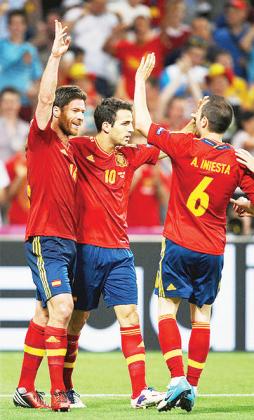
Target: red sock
69, 361
171, 344
198, 351
34, 350
134, 352
56, 347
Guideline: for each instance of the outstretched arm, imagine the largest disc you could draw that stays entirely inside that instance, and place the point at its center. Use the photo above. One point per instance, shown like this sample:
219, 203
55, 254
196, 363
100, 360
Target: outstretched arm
49, 78
142, 116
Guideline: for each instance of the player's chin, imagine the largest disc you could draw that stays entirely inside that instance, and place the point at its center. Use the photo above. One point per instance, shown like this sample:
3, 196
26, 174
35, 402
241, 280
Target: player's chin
74, 131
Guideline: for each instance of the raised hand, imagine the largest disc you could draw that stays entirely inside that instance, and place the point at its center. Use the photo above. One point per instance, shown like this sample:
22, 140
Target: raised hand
245, 158
145, 68
61, 41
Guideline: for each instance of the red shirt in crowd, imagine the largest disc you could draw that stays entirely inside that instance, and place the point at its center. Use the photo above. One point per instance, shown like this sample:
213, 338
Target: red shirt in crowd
205, 175
104, 181
144, 205
52, 175
19, 207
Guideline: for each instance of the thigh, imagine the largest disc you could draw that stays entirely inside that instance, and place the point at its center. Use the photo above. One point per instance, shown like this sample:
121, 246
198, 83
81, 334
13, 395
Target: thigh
89, 276
49, 261
120, 287
173, 277
206, 278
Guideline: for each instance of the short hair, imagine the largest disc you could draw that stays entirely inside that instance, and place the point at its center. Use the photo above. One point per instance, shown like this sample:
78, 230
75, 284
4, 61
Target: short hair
106, 111
219, 113
65, 94
16, 12
9, 89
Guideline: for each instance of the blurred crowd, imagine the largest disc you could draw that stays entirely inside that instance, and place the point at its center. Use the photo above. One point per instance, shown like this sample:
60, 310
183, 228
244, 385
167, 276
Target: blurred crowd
201, 47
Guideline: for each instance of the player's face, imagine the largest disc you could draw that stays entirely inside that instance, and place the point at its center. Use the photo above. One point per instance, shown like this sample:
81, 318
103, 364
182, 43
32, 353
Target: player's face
72, 117
201, 121
120, 132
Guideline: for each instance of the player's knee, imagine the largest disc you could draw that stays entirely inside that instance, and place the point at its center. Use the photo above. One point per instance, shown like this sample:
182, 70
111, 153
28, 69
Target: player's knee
41, 319
60, 309
127, 315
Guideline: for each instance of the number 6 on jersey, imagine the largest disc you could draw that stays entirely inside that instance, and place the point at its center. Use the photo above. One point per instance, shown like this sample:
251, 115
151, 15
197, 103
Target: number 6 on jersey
198, 200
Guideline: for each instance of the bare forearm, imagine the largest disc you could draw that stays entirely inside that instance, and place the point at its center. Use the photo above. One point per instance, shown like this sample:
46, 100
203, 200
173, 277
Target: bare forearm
49, 80
141, 114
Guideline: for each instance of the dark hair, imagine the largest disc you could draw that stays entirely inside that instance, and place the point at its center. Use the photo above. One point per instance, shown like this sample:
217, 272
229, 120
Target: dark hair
9, 89
219, 113
65, 94
106, 111
16, 12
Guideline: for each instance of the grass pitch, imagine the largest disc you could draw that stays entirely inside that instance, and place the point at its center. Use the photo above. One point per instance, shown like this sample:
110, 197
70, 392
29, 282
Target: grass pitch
106, 373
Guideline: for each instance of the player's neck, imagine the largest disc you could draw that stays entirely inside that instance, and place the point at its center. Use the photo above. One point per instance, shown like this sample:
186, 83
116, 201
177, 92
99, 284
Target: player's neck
213, 136
104, 143
63, 137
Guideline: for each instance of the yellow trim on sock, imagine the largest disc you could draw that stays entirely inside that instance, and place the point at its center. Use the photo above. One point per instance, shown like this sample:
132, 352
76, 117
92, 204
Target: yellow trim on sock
56, 352
136, 358
34, 351
69, 365
172, 353
197, 365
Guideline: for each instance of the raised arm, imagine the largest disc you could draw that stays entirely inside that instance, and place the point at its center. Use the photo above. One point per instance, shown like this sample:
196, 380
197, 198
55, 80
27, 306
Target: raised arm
142, 116
49, 78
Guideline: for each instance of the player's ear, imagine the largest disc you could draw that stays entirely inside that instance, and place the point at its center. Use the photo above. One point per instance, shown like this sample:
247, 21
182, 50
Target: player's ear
106, 127
56, 111
204, 122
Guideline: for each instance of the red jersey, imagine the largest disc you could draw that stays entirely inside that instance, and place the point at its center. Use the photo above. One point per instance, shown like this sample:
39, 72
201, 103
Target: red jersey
104, 182
19, 207
144, 204
52, 174
130, 53
205, 175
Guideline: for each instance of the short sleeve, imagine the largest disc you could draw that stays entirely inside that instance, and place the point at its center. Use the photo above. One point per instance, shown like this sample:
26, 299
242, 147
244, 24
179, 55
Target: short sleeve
141, 154
36, 135
173, 144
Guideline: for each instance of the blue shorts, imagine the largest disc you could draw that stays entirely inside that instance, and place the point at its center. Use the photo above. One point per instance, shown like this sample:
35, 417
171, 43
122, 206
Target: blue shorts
52, 262
188, 274
107, 271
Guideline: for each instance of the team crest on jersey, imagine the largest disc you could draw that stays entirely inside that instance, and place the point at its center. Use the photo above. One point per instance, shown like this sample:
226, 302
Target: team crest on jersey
120, 160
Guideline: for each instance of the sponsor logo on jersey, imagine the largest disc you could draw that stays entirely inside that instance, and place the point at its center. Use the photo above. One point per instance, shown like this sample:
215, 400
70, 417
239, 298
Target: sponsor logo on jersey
171, 287
52, 339
90, 158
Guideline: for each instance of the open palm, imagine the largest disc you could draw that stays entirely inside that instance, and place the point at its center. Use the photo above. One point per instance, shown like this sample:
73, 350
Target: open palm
145, 68
61, 41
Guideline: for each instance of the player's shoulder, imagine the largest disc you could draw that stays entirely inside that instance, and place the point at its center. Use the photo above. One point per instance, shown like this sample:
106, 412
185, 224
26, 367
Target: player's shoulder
82, 141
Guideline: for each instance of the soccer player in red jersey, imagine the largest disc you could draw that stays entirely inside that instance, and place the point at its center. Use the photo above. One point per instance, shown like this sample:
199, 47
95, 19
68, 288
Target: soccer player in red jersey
242, 206
105, 263
51, 229
205, 175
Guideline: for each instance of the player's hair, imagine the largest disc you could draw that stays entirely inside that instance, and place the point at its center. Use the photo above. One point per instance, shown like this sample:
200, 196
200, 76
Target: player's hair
106, 111
16, 12
65, 94
9, 89
219, 113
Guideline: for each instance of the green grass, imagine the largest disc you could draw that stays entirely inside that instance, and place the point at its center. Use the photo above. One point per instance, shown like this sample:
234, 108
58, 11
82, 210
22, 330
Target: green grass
106, 373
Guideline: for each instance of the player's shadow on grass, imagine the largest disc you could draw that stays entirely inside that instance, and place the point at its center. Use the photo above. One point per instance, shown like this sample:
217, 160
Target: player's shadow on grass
228, 409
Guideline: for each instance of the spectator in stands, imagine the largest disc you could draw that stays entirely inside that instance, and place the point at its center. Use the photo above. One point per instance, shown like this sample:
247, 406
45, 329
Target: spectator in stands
130, 52
176, 30
202, 28
244, 138
175, 114
247, 43
90, 32
18, 204
188, 72
20, 66
4, 182
13, 130
230, 37
149, 194
128, 10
